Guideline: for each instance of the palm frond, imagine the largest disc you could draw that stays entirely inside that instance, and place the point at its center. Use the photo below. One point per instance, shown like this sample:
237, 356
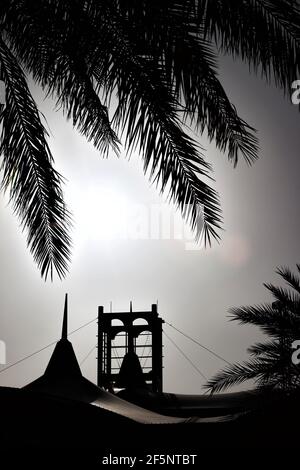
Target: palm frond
157, 59
170, 35
238, 374
172, 157
268, 350
80, 102
264, 33
270, 372
255, 315
45, 41
272, 365
267, 318
35, 187
146, 111
207, 104
288, 299
290, 277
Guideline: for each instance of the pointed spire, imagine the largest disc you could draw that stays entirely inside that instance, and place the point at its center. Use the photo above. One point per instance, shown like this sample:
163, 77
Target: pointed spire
64, 333
131, 306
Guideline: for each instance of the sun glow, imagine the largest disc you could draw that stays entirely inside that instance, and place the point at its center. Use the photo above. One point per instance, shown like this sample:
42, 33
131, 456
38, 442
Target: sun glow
107, 214
100, 214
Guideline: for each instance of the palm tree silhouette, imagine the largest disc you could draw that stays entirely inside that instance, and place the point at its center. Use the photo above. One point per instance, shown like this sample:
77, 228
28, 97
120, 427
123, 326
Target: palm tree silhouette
157, 60
271, 366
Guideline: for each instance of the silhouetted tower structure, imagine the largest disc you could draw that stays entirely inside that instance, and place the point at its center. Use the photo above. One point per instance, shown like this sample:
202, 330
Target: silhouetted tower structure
113, 358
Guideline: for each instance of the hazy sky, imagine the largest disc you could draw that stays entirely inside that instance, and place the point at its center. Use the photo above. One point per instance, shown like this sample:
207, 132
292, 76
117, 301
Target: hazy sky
194, 289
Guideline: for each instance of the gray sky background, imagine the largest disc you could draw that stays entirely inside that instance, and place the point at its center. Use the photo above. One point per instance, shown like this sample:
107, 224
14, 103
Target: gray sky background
194, 288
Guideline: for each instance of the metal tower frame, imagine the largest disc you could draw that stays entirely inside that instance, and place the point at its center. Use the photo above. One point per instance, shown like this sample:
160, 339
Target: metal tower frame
107, 332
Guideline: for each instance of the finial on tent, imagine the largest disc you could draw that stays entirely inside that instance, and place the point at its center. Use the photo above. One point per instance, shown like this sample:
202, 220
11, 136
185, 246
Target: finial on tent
64, 334
131, 306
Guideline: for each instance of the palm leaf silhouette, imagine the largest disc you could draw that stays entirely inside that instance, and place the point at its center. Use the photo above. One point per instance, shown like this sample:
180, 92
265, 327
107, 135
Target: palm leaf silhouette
271, 366
158, 61
27, 171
